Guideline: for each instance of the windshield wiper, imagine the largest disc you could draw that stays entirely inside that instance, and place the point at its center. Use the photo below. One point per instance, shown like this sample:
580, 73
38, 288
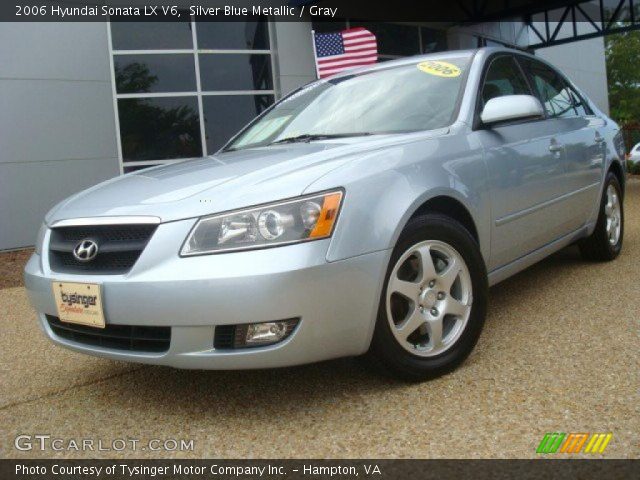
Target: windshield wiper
307, 137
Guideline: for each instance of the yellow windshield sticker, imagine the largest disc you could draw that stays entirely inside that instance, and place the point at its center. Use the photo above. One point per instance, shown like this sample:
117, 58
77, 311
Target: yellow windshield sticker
440, 69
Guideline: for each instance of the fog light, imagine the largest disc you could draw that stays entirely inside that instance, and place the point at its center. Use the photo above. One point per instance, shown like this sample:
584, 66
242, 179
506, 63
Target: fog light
265, 333
228, 337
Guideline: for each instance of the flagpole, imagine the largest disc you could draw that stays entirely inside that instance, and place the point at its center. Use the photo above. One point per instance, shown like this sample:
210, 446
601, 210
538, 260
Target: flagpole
315, 53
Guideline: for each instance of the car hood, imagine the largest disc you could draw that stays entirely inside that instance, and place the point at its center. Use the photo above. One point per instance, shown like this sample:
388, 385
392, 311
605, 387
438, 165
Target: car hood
220, 182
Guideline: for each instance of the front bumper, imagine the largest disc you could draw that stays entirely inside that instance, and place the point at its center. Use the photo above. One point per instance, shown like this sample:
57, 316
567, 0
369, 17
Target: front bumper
336, 301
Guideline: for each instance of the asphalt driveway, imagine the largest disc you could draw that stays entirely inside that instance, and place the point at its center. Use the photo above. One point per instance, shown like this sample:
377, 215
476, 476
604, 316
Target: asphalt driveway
560, 352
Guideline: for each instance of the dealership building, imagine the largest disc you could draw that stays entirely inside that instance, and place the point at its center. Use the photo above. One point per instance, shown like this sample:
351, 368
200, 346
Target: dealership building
84, 102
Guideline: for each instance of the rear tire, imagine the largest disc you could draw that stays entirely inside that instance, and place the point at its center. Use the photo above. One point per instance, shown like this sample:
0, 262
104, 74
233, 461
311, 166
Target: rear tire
434, 300
605, 243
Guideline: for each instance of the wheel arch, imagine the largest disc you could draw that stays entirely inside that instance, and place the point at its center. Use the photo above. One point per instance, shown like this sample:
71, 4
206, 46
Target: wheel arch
451, 207
617, 169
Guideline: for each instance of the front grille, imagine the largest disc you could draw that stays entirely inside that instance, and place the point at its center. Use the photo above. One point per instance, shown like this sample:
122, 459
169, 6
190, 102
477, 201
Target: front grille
117, 337
119, 247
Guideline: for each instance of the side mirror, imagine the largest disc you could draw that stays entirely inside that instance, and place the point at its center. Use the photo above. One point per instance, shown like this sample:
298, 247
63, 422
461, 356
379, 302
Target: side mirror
511, 107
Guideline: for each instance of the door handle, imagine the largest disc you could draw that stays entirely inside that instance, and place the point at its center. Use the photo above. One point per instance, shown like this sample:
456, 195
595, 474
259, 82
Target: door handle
599, 138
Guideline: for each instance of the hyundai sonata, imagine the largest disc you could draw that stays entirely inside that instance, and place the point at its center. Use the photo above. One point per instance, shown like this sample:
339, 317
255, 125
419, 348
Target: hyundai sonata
364, 213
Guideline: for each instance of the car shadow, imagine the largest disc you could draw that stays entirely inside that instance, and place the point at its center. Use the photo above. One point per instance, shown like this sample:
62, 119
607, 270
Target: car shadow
564, 261
243, 394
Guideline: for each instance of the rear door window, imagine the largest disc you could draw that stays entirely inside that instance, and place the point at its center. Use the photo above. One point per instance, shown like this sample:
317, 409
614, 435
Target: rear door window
557, 96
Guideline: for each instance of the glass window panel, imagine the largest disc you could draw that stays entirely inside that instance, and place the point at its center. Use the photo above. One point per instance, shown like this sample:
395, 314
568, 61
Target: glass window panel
154, 73
159, 128
233, 35
151, 35
393, 39
503, 78
553, 91
238, 111
582, 109
235, 71
433, 40
360, 103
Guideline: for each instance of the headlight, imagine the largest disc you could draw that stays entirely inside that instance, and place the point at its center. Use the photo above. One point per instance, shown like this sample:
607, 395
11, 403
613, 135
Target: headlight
291, 221
40, 239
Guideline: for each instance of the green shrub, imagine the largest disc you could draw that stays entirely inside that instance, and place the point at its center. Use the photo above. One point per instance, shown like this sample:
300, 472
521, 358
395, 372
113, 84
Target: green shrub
636, 169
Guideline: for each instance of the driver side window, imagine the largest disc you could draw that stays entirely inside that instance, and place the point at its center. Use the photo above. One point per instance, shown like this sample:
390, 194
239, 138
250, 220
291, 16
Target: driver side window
503, 78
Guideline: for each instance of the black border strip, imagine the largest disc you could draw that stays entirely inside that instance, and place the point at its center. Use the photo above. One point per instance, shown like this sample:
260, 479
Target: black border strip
458, 11
543, 468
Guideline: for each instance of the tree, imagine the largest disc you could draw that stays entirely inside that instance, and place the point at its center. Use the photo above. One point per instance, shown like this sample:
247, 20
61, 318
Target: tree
623, 72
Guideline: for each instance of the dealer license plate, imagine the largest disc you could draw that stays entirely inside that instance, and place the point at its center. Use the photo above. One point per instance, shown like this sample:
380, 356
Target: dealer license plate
79, 303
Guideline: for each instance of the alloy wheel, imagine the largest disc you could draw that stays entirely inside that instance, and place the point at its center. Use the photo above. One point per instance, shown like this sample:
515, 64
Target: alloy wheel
428, 298
613, 215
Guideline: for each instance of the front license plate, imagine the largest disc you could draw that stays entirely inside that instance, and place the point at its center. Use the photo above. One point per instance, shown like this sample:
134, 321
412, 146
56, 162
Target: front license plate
79, 303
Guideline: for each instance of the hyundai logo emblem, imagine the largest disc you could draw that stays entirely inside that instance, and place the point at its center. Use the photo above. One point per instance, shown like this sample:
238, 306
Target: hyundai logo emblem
86, 250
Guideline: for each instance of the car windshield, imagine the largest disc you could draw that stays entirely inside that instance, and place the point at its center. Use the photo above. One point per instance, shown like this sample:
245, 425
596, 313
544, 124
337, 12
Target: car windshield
411, 97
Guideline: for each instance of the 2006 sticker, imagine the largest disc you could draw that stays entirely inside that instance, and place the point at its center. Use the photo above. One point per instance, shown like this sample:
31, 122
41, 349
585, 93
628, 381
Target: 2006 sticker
440, 69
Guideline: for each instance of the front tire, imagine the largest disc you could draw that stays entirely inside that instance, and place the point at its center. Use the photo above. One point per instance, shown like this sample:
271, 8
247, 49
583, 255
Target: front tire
605, 243
434, 300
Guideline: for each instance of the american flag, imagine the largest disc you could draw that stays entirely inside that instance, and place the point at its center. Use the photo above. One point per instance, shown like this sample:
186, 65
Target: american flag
335, 52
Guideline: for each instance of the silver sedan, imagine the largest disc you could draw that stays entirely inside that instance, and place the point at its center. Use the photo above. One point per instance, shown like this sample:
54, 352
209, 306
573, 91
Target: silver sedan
367, 213
634, 154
